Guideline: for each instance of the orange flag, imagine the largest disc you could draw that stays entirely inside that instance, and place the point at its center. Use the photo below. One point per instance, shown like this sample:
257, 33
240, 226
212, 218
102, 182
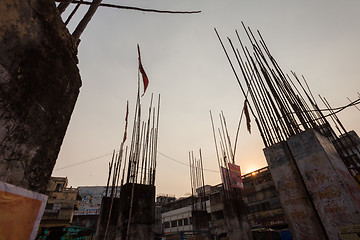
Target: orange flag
247, 115
142, 71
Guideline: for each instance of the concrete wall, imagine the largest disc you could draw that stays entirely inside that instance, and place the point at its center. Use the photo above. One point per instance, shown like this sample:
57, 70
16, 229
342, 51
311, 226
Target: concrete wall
331, 187
39, 85
103, 220
142, 214
200, 220
297, 206
86, 221
236, 220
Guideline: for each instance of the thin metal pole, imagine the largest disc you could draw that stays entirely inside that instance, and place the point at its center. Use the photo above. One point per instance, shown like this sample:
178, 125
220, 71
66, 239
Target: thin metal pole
191, 182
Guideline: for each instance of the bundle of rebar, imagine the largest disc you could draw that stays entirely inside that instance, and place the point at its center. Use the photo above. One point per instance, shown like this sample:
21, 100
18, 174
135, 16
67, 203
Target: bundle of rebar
143, 148
197, 180
225, 153
279, 108
141, 159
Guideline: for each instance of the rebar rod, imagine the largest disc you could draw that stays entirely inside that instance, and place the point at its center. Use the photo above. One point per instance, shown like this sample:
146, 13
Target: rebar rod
237, 78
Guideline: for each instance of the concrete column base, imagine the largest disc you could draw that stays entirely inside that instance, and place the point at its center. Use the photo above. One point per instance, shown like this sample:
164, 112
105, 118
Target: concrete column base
142, 215
299, 211
331, 187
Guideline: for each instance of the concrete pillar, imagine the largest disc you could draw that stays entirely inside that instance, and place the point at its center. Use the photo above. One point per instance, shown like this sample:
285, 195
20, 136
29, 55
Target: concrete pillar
299, 211
39, 85
236, 220
200, 222
331, 187
104, 216
142, 213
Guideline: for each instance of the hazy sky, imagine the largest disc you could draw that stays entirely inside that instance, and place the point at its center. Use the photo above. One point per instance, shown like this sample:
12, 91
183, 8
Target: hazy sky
186, 65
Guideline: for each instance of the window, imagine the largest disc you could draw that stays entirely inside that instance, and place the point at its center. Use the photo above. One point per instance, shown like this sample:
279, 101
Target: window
174, 223
186, 222
58, 187
180, 222
166, 224
49, 206
57, 206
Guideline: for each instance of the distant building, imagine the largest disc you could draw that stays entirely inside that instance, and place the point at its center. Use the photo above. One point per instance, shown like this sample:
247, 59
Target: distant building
88, 212
262, 200
59, 210
259, 194
163, 199
177, 216
61, 203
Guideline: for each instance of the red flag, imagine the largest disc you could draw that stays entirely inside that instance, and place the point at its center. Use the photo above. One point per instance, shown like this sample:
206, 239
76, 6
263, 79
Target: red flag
142, 71
248, 120
126, 121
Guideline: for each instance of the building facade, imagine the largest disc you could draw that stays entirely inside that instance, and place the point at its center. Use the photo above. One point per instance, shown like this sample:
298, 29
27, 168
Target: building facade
262, 200
61, 204
59, 210
264, 209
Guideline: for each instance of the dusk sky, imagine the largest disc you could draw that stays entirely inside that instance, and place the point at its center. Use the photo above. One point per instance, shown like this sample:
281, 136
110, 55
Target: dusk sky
186, 65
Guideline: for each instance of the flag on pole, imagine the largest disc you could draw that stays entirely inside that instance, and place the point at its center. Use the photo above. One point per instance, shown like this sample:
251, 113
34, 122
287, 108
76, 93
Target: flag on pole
247, 115
126, 121
143, 73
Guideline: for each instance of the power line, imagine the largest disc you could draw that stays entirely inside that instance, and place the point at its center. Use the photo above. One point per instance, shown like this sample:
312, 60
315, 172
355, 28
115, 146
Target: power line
338, 109
106, 155
209, 170
79, 163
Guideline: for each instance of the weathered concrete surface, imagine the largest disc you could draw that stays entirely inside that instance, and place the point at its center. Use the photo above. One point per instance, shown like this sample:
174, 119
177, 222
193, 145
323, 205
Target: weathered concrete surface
39, 85
236, 220
104, 216
200, 220
331, 187
298, 209
142, 214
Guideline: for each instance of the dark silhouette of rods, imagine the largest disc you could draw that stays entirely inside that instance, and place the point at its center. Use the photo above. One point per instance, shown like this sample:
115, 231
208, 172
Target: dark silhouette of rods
281, 104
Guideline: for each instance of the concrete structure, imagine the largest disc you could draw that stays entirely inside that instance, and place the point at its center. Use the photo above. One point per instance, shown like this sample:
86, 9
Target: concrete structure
161, 200
218, 224
295, 200
351, 143
262, 201
39, 85
137, 212
260, 195
87, 215
176, 216
333, 190
180, 218
236, 219
108, 223
61, 204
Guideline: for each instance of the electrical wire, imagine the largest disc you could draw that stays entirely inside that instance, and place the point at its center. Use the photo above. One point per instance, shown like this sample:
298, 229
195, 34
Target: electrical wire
96, 158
